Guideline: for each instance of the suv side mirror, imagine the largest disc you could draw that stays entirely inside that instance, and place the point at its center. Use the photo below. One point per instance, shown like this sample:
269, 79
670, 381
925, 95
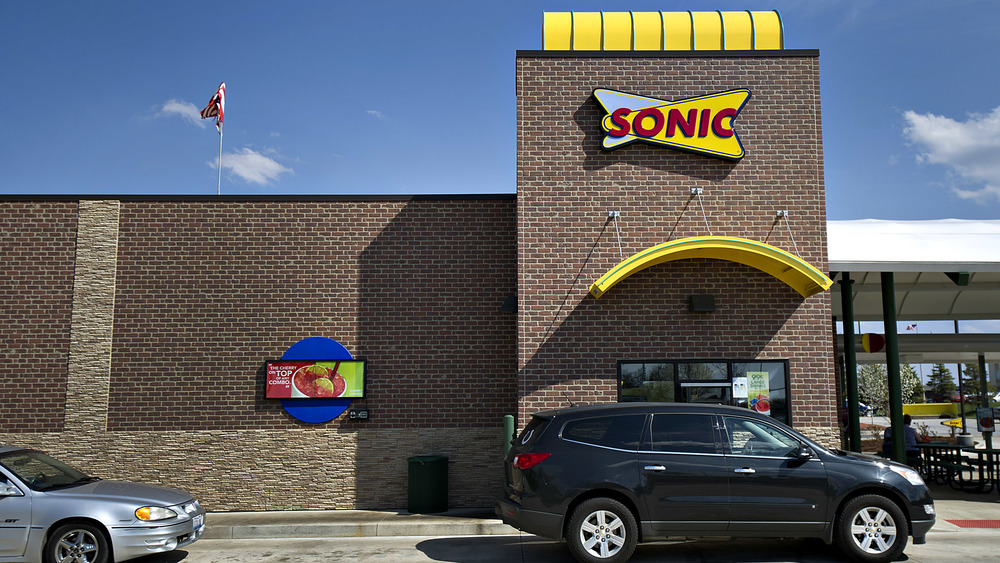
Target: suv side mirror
8, 490
804, 454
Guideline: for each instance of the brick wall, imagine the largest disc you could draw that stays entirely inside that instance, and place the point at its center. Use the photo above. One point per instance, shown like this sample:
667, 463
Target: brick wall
569, 342
37, 246
207, 292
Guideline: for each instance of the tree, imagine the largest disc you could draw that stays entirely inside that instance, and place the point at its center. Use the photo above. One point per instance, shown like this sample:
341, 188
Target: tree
973, 384
940, 384
913, 393
873, 385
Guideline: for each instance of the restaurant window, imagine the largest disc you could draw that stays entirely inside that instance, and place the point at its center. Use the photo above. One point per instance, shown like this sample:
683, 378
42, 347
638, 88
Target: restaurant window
644, 381
776, 375
759, 386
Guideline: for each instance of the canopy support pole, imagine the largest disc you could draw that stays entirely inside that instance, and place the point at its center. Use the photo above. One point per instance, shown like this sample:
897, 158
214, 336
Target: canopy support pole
851, 361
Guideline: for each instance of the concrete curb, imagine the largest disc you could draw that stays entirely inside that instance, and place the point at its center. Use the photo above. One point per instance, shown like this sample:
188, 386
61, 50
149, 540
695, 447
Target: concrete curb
351, 523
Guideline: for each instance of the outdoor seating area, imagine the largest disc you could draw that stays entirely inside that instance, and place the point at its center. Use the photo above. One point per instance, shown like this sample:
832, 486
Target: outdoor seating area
964, 468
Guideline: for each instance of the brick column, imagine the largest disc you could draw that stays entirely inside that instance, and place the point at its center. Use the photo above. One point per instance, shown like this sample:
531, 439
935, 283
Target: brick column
93, 317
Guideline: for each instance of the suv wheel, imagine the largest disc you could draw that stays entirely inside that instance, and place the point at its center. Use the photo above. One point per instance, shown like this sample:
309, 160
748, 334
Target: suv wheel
602, 529
872, 529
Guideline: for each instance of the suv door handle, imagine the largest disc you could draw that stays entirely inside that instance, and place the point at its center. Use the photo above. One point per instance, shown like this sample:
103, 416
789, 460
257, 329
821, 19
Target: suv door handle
655, 468
745, 471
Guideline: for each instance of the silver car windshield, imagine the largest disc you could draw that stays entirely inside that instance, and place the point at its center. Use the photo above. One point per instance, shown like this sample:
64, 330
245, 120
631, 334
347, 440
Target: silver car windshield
41, 472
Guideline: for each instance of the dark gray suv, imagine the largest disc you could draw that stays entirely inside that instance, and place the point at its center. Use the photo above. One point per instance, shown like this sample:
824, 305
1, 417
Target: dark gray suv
605, 477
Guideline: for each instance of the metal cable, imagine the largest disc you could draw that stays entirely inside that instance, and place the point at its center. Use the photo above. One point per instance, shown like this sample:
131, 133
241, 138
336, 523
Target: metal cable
621, 256
790, 235
702, 206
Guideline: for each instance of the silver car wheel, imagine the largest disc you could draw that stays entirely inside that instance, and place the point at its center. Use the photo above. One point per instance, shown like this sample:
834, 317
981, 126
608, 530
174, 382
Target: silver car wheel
77, 546
602, 534
873, 530
76, 543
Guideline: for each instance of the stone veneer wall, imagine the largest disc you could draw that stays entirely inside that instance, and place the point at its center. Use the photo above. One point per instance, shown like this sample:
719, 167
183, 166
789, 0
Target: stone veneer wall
89, 372
299, 469
146, 315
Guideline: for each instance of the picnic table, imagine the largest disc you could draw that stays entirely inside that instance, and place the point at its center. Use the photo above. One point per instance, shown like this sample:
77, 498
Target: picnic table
962, 467
987, 466
942, 462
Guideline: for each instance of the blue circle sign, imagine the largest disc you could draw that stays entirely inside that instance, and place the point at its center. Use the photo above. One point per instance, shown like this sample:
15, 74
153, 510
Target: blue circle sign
316, 410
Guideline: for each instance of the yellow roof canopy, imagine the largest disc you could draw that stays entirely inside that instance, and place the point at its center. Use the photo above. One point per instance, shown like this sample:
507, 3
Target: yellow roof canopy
662, 31
792, 270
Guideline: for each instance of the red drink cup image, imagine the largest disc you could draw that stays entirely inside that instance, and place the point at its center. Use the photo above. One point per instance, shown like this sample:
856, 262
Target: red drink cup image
762, 405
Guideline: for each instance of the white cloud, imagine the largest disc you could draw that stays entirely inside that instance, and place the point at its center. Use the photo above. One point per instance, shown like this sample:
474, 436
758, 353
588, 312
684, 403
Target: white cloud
376, 113
970, 149
251, 166
185, 110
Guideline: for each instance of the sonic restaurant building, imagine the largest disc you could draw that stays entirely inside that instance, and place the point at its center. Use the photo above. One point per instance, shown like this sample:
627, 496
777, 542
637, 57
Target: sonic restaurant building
666, 242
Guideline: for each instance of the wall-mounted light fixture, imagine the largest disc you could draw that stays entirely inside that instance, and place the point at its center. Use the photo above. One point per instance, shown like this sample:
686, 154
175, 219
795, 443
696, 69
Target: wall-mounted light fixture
701, 303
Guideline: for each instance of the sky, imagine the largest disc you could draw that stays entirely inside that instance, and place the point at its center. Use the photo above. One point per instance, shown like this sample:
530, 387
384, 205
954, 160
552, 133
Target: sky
378, 97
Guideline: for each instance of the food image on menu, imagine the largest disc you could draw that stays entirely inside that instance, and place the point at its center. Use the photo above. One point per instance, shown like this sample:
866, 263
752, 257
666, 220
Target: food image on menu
319, 382
315, 379
761, 404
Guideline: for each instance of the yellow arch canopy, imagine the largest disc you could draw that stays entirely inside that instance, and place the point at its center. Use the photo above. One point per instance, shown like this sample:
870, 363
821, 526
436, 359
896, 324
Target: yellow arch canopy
794, 271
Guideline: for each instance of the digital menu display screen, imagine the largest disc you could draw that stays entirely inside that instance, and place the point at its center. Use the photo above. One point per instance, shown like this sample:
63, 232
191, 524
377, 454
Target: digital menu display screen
315, 379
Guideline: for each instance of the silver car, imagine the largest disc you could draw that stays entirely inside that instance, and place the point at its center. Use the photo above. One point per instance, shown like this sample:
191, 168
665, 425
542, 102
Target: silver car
53, 513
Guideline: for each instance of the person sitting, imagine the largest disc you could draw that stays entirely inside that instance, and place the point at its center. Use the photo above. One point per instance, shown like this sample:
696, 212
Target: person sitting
910, 439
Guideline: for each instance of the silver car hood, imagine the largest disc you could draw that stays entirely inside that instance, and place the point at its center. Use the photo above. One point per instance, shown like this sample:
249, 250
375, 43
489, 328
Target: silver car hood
124, 491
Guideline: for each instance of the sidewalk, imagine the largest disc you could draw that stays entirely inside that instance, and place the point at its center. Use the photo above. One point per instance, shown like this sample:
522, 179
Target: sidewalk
971, 511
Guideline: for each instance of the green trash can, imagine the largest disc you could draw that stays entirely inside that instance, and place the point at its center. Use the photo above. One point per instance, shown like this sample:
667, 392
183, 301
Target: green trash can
427, 486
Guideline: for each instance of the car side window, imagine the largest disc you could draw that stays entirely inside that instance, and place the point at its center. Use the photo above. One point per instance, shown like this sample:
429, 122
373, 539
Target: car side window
683, 433
8, 489
621, 432
753, 437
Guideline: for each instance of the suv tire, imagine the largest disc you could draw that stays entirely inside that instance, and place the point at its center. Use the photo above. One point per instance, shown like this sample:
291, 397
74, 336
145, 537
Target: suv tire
872, 529
602, 530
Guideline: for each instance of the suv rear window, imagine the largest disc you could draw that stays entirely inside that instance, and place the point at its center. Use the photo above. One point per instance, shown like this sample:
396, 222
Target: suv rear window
621, 432
533, 430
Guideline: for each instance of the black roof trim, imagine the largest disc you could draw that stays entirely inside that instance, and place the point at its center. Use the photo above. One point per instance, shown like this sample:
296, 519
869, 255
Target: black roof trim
618, 408
672, 54
244, 198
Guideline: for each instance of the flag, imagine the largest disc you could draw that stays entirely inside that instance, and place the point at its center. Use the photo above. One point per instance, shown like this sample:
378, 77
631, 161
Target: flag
911, 327
216, 107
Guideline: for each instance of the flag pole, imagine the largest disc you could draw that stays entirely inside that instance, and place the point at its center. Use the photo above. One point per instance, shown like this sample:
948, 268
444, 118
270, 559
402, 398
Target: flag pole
215, 108
220, 160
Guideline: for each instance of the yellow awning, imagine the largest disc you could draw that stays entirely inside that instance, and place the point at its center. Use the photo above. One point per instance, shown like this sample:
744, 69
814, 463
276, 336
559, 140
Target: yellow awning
794, 271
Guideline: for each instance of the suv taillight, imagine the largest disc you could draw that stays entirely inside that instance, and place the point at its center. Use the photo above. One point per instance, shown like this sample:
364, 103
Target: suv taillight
524, 461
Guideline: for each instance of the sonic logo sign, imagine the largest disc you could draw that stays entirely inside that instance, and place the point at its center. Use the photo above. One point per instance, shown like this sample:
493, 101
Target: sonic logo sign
702, 125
